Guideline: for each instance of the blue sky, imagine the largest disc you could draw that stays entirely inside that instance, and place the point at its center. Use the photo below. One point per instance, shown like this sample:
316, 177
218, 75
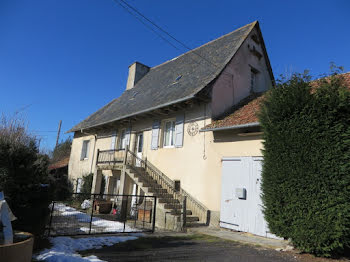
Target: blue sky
63, 60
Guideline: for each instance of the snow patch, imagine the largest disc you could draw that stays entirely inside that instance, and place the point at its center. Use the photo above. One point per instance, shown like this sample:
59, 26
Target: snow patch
64, 248
102, 224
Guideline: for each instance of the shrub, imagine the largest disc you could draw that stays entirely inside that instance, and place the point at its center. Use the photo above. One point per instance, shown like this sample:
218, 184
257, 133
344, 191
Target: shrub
87, 183
306, 171
61, 186
23, 176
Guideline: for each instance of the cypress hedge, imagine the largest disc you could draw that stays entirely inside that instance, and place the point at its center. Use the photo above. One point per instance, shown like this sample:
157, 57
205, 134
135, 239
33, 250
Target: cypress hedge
306, 170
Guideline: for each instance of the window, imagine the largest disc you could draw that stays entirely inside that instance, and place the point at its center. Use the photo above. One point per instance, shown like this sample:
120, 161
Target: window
85, 150
122, 142
168, 133
140, 143
253, 77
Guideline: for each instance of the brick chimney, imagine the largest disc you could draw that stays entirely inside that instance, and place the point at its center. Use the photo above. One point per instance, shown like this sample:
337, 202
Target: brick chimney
136, 72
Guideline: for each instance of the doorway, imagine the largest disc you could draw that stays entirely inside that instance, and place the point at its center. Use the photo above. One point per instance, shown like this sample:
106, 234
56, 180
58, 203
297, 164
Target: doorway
241, 205
139, 148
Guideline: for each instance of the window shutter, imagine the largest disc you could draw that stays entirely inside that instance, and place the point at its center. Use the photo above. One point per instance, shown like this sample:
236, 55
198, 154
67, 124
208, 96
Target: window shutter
179, 130
114, 139
127, 137
82, 155
155, 135
87, 149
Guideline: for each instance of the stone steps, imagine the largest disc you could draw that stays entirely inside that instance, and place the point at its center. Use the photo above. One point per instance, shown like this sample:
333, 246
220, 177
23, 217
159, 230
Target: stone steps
165, 200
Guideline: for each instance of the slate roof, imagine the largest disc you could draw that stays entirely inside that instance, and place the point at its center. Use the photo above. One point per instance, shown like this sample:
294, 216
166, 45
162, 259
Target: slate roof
247, 114
159, 88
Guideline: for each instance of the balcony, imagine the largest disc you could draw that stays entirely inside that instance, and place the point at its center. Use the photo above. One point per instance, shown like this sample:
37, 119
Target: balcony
110, 157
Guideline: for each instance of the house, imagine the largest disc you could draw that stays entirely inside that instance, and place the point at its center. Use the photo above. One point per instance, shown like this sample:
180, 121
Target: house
159, 137
59, 167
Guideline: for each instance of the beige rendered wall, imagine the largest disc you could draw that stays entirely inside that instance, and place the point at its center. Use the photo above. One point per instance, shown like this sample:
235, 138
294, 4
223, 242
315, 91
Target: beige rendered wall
197, 164
234, 83
77, 167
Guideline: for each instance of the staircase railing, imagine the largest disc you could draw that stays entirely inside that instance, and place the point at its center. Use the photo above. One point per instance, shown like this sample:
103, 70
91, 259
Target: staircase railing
134, 161
197, 208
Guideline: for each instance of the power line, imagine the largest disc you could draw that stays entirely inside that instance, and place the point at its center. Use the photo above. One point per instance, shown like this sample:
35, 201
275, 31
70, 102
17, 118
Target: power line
140, 20
127, 5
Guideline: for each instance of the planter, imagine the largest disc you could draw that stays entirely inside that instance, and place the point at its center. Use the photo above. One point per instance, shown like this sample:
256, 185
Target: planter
102, 206
20, 251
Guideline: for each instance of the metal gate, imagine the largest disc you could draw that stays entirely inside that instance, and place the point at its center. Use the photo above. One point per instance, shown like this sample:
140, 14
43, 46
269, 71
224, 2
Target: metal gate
102, 214
241, 206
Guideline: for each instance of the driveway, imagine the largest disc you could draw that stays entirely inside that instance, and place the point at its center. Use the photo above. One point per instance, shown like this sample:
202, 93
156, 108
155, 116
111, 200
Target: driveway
188, 248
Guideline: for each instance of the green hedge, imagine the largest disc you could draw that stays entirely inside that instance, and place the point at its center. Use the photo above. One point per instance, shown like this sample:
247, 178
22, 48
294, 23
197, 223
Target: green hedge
306, 171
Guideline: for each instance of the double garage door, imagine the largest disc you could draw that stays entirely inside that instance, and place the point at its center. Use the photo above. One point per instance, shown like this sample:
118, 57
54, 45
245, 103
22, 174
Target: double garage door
241, 205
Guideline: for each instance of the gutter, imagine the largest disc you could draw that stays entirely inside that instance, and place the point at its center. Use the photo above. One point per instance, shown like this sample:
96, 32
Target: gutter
254, 124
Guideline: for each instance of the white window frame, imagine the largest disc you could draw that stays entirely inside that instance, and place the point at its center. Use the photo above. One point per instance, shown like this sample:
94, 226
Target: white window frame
122, 139
85, 150
167, 144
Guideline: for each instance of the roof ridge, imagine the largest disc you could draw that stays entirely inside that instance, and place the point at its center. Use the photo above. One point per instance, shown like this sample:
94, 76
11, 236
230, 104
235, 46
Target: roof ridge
214, 40
121, 107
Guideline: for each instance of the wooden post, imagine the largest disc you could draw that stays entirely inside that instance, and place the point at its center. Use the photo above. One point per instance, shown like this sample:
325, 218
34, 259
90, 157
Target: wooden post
58, 132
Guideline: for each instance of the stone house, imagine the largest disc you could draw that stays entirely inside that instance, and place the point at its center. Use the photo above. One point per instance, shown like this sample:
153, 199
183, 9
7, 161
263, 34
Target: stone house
161, 136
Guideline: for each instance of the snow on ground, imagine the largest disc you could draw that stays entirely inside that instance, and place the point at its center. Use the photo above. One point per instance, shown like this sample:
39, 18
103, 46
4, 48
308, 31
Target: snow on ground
63, 248
102, 224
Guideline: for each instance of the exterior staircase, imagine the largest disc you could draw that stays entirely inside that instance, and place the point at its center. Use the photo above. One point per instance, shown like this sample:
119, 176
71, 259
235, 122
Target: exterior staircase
171, 205
177, 207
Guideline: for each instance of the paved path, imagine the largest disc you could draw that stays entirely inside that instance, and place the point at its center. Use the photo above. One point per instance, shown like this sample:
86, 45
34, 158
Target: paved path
241, 237
188, 248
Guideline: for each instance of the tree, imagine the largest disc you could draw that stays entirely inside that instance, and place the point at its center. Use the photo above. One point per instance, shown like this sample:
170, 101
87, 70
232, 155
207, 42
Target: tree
62, 150
23, 175
306, 170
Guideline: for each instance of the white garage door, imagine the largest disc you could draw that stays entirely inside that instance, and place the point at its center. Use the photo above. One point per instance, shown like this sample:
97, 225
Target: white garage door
240, 200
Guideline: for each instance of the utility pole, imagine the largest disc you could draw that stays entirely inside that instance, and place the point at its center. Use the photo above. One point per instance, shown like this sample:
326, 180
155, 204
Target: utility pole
58, 132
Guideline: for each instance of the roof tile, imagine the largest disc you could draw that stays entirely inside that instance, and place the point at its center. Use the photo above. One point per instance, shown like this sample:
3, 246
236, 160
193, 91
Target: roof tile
248, 113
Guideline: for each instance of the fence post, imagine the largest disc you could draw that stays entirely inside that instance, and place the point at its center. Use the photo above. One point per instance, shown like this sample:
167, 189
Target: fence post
52, 209
92, 213
154, 214
184, 213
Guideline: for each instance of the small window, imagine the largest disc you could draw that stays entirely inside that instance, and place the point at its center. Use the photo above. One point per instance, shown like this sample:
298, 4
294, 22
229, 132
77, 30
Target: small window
140, 143
85, 150
253, 78
122, 142
168, 133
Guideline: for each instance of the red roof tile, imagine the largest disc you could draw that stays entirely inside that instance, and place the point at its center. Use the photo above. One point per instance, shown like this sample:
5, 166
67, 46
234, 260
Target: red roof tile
61, 163
248, 113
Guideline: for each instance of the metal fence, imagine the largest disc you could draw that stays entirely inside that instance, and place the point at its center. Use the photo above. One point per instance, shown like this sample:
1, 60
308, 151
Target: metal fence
102, 214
